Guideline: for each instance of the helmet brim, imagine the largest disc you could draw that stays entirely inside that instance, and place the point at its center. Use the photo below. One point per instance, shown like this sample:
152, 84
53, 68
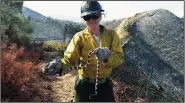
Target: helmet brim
89, 12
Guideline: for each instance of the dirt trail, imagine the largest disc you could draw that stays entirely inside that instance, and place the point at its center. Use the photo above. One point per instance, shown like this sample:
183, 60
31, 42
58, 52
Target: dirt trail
63, 88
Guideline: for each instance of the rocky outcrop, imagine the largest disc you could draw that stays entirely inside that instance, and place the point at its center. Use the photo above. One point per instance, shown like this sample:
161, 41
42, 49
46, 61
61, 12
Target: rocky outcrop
156, 50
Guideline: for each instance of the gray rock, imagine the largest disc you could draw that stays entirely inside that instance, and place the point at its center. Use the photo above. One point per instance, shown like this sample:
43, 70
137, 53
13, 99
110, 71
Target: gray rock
156, 49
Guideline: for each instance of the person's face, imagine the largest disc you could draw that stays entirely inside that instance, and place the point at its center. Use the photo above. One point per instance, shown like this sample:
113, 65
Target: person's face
92, 20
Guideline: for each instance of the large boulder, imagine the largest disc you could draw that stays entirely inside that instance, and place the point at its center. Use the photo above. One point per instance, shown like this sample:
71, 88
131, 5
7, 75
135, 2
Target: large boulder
156, 49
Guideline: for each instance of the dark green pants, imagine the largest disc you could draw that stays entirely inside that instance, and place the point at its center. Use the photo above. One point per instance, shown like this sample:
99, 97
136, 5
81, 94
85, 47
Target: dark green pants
83, 89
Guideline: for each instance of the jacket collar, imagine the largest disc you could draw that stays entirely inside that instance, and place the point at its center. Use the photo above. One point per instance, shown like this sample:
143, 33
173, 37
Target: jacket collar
87, 32
89, 35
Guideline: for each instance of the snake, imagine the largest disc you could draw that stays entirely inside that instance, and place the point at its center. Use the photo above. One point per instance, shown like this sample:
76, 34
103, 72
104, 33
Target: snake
83, 67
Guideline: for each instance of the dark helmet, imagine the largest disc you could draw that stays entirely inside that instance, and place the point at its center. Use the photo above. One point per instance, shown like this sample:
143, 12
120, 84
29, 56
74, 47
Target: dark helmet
90, 7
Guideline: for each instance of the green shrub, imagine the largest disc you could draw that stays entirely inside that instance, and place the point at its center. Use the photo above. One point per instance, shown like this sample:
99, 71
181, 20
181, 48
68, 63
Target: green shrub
53, 46
25, 41
15, 26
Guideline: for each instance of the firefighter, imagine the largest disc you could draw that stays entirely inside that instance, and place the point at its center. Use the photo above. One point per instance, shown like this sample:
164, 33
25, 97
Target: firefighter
107, 48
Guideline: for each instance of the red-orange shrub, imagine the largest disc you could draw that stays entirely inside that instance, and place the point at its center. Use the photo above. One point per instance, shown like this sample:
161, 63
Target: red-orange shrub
16, 64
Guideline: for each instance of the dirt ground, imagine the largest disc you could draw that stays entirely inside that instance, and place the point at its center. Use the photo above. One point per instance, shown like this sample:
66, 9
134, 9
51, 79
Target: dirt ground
63, 88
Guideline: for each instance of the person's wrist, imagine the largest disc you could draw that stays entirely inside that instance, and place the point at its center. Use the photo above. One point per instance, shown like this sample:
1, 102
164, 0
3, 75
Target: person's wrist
105, 60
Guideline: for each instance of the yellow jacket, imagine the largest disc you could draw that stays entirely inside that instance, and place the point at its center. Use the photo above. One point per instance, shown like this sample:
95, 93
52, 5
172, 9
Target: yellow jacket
83, 42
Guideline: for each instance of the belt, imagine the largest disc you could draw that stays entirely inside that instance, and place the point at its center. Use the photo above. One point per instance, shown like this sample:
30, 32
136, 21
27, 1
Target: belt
100, 81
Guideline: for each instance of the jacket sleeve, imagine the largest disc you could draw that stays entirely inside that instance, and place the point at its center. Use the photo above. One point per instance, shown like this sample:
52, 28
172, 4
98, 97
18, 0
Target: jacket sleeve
72, 53
117, 56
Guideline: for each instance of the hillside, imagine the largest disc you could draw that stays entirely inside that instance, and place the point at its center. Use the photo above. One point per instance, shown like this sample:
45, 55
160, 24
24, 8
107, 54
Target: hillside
113, 24
153, 43
33, 15
47, 28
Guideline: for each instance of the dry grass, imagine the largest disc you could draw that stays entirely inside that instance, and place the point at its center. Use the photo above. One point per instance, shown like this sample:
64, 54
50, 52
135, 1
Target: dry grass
122, 30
